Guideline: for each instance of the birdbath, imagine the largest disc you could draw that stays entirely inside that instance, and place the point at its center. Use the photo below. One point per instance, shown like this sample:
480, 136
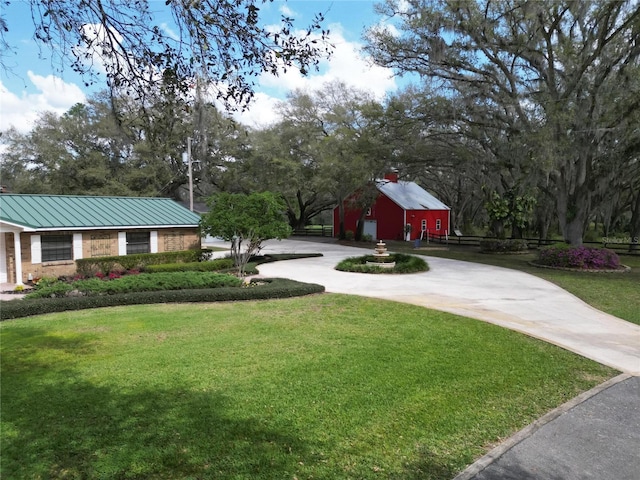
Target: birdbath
381, 256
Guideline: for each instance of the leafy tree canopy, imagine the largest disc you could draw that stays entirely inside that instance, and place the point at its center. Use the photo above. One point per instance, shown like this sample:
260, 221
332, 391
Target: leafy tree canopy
223, 41
547, 83
246, 221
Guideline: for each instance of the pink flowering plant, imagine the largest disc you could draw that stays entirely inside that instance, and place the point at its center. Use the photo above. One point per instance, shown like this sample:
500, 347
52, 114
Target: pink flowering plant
587, 258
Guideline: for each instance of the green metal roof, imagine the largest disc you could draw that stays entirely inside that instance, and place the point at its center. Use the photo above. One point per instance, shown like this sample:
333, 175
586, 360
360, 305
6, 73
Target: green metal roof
45, 212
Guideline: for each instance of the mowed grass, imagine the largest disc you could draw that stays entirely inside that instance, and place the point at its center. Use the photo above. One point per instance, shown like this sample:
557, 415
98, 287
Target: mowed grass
615, 293
327, 386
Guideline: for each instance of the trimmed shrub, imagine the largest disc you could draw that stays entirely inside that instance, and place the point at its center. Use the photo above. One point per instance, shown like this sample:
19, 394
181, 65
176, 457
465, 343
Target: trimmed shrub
224, 264
57, 289
404, 264
267, 289
145, 282
209, 266
587, 258
499, 245
90, 266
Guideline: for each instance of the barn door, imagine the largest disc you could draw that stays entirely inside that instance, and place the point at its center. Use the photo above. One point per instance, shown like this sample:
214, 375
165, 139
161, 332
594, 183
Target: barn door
370, 228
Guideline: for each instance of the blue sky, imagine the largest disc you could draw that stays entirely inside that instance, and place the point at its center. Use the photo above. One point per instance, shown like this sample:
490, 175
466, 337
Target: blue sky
31, 84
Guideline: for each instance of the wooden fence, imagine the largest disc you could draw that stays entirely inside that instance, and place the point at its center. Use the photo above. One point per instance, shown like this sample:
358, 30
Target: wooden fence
315, 231
474, 240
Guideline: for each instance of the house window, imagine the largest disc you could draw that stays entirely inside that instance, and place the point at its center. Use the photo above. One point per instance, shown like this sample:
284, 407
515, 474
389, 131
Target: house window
438, 224
423, 225
369, 212
56, 247
138, 242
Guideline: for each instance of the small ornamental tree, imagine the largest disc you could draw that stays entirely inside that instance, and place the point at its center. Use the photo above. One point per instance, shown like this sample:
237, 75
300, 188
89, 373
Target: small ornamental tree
246, 221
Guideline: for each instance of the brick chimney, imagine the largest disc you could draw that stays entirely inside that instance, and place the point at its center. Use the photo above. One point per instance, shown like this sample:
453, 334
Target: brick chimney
391, 176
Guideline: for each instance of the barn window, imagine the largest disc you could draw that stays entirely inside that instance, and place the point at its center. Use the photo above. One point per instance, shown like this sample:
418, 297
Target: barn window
138, 242
56, 247
423, 226
438, 224
369, 212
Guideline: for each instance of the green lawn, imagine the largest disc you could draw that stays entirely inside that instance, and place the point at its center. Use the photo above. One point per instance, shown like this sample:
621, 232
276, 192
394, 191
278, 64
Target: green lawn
327, 386
614, 293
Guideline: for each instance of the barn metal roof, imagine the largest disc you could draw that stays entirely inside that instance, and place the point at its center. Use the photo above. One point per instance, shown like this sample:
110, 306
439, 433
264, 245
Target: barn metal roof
410, 196
56, 212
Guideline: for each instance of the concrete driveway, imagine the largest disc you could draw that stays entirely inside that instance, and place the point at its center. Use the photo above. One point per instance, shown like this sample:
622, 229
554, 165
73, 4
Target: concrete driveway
509, 298
595, 435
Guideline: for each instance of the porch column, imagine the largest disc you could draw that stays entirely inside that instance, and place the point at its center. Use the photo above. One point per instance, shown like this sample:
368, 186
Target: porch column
18, 254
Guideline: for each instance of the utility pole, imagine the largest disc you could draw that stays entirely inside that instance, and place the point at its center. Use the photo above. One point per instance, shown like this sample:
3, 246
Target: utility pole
190, 174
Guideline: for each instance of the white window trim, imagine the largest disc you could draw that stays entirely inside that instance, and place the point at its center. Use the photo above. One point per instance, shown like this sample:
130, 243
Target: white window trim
153, 241
36, 249
438, 224
77, 246
122, 243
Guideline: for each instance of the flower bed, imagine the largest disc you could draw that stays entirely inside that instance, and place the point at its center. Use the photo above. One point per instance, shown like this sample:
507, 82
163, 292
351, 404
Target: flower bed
578, 258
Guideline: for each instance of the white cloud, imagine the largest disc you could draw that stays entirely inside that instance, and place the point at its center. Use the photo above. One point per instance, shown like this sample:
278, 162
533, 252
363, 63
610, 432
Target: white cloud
170, 31
286, 11
347, 64
386, 28
53, 94
261, 113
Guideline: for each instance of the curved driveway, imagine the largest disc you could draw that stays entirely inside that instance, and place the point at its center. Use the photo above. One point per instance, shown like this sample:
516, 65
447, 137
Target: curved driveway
509, 298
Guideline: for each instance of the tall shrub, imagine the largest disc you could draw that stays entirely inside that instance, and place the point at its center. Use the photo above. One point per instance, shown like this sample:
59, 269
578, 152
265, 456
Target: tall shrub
246, 221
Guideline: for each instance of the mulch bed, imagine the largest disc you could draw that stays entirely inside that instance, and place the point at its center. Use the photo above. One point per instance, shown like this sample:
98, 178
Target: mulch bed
621, 269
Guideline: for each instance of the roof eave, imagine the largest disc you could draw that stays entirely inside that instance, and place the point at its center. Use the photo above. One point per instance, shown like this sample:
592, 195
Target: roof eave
109, 227
21, 227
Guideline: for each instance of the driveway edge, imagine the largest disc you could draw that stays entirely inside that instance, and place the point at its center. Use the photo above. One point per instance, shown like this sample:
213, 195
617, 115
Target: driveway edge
483, 462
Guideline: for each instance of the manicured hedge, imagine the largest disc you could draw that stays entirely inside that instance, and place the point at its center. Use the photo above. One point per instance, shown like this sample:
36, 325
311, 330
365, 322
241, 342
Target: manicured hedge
144, 282
272, 288
226, 264
210, 266
90, 266
507, 245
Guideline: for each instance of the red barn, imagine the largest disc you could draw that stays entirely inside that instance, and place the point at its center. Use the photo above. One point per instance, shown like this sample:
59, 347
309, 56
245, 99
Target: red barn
398, 204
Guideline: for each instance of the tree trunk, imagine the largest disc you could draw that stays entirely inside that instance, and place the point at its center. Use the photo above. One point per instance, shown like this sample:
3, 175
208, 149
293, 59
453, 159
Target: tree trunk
341, 232
497, 228
516, 232
572, 215
360, 225
634, 225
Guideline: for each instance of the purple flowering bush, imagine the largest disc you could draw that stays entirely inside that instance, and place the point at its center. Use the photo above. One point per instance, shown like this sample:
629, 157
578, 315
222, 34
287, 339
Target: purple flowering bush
588, 258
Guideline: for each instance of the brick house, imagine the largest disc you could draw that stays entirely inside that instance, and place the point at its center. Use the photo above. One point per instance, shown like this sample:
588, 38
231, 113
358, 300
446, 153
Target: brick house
50, 232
